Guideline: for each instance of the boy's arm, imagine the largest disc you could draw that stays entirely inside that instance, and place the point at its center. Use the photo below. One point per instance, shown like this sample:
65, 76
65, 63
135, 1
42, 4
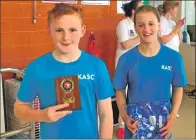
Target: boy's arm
106, 118
25, 112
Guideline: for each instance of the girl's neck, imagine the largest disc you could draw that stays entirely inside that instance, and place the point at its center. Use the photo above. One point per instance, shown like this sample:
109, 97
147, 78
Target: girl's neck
131, 18
168, 16
149, 49
67, 57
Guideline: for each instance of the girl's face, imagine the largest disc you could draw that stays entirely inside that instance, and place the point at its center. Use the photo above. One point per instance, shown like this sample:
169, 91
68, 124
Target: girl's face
173, 11
147, 26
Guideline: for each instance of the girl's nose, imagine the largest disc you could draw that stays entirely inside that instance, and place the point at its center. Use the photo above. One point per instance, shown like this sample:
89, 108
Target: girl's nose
146, 28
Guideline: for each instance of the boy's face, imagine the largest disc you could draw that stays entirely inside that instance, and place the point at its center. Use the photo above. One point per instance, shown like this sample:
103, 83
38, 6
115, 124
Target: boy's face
66, 33
147, 26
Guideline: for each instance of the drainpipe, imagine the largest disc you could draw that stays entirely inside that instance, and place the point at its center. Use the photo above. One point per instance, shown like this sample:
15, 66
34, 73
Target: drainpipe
34, 11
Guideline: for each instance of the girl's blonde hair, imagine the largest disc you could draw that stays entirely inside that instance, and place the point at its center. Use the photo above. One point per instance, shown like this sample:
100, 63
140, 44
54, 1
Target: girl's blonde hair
146, 9
167, 5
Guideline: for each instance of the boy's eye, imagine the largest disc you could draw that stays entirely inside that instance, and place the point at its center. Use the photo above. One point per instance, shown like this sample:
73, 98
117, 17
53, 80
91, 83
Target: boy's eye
72, 30
59, 30
140, 25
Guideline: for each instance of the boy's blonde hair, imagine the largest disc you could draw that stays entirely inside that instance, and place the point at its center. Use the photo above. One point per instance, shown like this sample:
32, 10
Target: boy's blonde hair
61, 9
146, 9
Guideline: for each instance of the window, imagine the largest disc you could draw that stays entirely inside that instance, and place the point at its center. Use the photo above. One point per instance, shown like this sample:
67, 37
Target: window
156, 3
188, 11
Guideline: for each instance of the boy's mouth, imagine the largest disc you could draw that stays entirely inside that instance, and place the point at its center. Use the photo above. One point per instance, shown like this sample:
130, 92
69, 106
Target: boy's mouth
65, 44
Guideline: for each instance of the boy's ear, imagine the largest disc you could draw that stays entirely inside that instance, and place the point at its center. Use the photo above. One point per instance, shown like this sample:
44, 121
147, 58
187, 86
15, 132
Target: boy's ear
83, 30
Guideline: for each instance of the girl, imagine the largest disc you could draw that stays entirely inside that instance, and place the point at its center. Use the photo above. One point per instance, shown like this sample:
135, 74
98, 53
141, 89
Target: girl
170, 32
149, 74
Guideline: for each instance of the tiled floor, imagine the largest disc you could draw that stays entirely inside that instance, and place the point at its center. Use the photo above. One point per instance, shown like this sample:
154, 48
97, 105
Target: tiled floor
184, 126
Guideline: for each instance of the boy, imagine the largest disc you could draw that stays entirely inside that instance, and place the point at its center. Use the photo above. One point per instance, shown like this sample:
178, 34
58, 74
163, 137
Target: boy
66, 28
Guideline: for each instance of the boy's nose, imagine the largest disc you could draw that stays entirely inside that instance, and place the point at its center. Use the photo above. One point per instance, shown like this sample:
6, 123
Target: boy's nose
66, 36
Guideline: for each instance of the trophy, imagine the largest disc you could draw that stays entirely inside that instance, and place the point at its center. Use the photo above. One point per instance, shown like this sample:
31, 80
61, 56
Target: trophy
67, 90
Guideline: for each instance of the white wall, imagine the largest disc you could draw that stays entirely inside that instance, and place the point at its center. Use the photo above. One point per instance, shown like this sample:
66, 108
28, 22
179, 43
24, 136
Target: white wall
188, 54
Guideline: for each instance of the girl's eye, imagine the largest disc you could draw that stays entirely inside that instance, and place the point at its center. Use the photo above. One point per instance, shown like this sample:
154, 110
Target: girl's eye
151, 24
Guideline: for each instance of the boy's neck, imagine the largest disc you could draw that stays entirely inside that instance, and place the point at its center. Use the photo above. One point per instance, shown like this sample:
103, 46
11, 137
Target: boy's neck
67, 58
150, 49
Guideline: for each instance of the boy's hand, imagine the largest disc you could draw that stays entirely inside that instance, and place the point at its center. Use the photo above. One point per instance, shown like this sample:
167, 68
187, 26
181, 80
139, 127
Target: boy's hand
51, 114
167, 129
131, 125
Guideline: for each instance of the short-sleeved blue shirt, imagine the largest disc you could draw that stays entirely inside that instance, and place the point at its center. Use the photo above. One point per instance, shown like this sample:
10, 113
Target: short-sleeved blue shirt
149, 78
94, 84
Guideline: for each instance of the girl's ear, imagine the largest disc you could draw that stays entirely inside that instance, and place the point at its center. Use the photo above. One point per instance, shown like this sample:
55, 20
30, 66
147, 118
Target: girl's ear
133, 12
135, 29
159, 26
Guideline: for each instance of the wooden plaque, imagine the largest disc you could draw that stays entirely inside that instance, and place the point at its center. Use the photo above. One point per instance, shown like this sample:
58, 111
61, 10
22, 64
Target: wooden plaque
67, 90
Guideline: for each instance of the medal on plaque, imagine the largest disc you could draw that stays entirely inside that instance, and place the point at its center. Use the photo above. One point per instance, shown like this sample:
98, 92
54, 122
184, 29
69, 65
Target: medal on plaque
67, 90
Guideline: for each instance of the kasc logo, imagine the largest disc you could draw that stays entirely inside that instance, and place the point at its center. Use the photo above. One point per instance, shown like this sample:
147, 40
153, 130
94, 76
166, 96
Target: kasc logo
86, 76
164, 67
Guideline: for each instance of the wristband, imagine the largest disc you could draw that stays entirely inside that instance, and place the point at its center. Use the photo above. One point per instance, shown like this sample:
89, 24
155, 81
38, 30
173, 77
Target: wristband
175, 31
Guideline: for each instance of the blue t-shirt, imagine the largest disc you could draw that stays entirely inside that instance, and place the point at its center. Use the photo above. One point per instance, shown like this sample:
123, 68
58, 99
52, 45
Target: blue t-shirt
94, 84
149, 78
